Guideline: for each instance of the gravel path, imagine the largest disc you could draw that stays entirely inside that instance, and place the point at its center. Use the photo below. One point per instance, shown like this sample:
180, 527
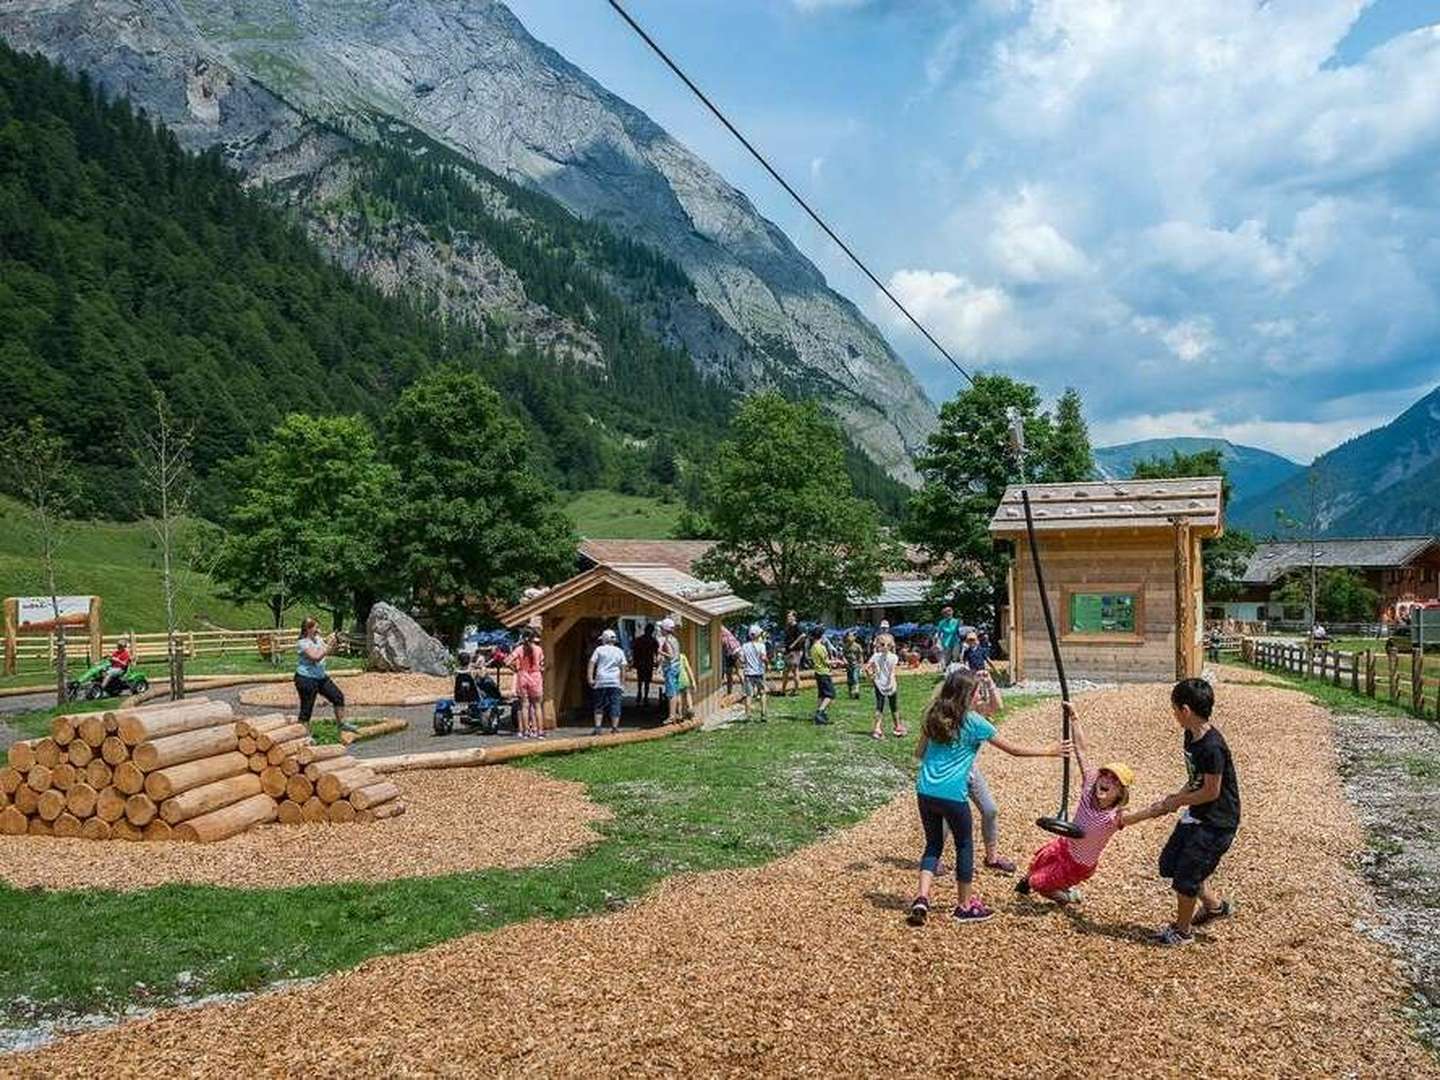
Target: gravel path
806, 967
455, 820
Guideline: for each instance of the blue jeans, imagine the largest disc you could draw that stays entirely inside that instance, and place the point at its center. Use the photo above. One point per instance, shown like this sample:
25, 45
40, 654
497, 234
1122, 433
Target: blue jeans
935, 814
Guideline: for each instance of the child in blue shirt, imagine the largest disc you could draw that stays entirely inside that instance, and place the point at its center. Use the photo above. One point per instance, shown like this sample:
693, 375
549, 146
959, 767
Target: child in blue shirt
956, 726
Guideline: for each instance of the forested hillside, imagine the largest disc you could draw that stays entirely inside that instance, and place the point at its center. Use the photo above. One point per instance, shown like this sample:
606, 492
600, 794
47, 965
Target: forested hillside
127, 264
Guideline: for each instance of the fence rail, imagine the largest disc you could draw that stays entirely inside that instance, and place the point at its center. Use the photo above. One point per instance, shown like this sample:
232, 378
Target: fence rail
37, 652
1374, 674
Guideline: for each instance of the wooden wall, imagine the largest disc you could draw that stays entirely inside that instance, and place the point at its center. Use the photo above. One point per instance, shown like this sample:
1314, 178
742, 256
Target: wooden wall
1141, 562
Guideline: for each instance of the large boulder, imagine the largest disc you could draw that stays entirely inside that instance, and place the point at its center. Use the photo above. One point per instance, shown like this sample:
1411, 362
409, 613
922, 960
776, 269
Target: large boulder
395, 642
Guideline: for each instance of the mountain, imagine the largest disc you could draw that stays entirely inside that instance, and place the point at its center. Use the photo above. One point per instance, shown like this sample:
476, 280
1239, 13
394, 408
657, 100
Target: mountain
1251, 471
291, 91
128, 265
1383, 483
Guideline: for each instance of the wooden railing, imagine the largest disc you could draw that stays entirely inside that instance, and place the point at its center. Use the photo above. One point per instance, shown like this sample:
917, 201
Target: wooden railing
38, 653
1375, 674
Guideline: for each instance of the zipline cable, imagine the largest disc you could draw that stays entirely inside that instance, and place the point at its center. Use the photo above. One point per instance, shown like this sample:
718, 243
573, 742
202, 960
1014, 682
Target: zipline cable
815, 217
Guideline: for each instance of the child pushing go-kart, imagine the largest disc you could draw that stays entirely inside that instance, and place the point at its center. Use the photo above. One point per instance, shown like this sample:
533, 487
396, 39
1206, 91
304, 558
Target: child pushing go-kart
1064, 862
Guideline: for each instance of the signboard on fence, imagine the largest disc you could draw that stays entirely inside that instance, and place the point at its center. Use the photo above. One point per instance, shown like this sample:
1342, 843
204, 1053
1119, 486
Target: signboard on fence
39, 613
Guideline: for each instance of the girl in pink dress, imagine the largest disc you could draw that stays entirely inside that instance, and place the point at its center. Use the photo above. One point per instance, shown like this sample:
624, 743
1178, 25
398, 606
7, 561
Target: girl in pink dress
529, 664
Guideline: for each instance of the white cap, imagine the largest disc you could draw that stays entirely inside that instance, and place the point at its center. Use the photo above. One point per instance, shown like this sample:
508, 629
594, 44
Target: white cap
607, 635
884, 624
667, 624
755, 630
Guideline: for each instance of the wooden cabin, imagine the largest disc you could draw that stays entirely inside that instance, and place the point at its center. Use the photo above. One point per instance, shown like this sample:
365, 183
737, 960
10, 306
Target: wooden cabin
572, 615
1123, 572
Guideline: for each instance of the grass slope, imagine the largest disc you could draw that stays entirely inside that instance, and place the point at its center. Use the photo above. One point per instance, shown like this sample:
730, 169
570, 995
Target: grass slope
714, 800
119, 563
608, 515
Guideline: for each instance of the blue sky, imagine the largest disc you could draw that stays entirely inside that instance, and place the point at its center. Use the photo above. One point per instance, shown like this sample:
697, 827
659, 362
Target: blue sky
1215, 217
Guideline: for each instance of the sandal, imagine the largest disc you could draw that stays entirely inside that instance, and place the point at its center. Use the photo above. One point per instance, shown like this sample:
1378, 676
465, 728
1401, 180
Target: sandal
919, 910
901, 732
1205, 915
878, 734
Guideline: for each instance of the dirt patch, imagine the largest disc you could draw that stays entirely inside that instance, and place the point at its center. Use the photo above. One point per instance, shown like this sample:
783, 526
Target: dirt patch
806, 967
1391, 765
372, 688
456, 820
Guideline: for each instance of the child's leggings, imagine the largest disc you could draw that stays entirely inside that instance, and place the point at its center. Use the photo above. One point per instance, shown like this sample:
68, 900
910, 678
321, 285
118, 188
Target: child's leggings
935, 814
989, 812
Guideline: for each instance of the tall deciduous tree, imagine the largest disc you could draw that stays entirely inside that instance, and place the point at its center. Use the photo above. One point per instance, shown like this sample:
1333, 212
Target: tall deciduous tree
312, 520
1225, 557
966, 466
1340, 595
41, 473
162, 456
778, 502
475, 523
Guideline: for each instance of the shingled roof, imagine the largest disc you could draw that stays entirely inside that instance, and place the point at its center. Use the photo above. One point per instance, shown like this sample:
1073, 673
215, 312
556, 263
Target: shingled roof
1113, 505
677, 554
1273, 561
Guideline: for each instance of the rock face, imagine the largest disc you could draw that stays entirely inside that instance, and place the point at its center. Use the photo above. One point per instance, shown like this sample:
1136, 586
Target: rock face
395, 642
275, 82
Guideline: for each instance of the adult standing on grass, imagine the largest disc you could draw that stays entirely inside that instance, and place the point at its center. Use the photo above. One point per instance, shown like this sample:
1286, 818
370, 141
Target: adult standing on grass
311, 679
730, 647
607, 682
753, 662
794, 640
644, 651
824, 684
947, 634
671, 662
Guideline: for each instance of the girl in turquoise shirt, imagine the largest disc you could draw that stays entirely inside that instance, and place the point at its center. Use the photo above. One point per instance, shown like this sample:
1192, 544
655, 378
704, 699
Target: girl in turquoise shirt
956, 726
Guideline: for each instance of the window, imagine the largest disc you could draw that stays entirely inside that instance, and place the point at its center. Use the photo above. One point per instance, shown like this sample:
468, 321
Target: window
1103, 613
703, 660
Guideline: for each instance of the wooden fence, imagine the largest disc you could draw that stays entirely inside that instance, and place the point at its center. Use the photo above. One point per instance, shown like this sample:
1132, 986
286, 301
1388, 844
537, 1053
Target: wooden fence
1374, 674
37, 653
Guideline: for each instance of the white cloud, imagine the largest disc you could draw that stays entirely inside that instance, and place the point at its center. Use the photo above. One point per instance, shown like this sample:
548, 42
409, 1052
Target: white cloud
972, 321
1162, 203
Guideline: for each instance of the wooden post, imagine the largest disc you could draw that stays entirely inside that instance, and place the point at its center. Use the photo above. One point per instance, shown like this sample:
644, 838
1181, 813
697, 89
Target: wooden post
1017, 618
1417, 682
97, 646
1184, 626
1355, 672
12, 628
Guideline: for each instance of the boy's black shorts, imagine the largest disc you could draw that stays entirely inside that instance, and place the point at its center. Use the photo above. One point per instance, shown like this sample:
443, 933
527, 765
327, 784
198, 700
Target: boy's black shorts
1192, 854
825, 687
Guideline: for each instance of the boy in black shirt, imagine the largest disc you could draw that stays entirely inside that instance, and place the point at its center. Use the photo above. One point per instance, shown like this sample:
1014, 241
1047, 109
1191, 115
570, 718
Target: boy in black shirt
1210, 801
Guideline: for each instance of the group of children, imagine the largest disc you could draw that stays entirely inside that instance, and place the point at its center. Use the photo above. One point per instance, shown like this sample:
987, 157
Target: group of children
957, 726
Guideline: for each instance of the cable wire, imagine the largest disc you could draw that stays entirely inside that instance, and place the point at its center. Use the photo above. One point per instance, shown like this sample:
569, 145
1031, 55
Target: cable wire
815, 217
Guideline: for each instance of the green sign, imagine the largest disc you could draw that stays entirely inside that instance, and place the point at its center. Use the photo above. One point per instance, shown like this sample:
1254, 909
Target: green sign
1102, 613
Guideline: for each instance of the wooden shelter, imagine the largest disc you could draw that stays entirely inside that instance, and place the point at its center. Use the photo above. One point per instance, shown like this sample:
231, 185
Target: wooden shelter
1123, 572
572, 615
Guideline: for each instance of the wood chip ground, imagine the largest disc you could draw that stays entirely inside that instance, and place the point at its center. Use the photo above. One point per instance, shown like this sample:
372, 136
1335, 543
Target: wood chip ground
805, 967
369, 689
455, 820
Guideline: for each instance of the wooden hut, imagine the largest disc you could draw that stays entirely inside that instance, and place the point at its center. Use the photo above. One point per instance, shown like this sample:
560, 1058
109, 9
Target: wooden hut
572, 615
1123, 572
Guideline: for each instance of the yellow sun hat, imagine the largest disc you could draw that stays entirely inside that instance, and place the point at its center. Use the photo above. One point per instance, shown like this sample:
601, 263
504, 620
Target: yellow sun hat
1122, 772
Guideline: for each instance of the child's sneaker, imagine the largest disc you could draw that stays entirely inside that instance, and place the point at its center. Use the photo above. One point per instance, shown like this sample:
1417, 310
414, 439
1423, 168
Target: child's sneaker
1172, 936
975, 911
919, 911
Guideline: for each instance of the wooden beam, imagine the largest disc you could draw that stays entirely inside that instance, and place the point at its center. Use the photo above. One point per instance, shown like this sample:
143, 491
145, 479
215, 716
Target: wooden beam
1183, 612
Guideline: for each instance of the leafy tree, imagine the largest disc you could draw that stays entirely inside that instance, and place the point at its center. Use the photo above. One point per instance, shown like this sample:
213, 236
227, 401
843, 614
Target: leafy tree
777, 503
1225, 557
966, 466
312, 518
41, 473
475, 524
1341, 595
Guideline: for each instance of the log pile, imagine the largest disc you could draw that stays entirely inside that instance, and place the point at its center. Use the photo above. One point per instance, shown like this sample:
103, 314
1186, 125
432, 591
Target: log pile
188, 770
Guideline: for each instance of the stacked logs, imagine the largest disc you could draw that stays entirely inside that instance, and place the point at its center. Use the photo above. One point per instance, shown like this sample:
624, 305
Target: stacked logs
185, 770
325, 783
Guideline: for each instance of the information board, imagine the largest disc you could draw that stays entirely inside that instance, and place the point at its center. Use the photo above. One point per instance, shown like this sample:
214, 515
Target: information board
1102, 613
39, 610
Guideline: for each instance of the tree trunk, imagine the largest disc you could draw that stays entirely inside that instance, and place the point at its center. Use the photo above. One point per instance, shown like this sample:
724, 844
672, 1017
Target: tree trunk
230, 820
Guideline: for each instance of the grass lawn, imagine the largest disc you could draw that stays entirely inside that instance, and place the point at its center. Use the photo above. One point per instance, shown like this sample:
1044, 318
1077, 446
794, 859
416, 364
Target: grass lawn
119, 563
1350, 645
704, 801
609, 515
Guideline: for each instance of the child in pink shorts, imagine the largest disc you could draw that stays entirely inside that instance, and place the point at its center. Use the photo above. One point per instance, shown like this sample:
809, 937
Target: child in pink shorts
1064, 863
